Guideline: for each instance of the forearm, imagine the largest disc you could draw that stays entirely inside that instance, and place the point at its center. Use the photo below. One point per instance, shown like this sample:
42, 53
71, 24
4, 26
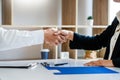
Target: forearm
85, 42
71, 35
116, 62
11, 39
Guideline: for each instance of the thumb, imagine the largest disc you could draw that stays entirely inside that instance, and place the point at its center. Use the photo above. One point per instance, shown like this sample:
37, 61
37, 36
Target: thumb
63, 32
55, 33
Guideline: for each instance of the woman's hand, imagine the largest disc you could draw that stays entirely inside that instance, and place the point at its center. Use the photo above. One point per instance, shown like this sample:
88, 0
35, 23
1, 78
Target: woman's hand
67, 34
52, 37
107, 63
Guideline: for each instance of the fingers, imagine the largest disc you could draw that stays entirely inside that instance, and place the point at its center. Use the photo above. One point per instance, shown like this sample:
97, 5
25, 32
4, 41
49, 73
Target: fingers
63, 39
60, 36
55, 33
60, 39
63, 32
89, 64
67, 34
55, 37
93, 63
60, 32
107, 63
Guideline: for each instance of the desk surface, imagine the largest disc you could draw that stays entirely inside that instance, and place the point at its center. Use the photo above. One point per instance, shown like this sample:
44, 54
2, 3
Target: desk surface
41, 73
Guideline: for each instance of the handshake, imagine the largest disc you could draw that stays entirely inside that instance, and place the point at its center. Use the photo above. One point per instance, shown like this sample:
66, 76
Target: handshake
53, 36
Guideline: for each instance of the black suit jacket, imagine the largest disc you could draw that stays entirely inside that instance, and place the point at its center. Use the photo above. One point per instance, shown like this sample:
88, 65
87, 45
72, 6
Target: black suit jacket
99, 41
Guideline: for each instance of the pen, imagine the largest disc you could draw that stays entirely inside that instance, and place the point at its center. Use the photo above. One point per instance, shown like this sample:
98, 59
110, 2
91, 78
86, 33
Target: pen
60, 64
45, 64
33, 65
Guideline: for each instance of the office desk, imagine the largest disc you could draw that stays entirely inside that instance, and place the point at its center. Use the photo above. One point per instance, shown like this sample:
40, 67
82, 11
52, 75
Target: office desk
41, 73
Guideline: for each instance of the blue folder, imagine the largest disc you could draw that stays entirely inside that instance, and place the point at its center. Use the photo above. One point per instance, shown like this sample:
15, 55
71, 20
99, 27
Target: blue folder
81, 70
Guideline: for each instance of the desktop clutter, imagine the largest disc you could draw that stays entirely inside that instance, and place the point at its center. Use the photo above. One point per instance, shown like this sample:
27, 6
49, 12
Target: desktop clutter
89, 54
64, 66
45, 54
71, 70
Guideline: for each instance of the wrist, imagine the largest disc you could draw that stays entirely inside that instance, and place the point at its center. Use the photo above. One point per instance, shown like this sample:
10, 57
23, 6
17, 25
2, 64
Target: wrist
111, 63
71, 35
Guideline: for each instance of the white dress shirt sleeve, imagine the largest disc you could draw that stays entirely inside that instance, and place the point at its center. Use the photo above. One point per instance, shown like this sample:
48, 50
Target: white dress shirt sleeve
11, 39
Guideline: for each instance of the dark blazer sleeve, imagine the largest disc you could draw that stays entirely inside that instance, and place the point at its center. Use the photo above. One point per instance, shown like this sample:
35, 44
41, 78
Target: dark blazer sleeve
99, 41
85, 42
93, 42
116, 62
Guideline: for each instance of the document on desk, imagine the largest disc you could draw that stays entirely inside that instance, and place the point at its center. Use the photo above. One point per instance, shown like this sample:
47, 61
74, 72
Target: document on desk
70, 68
81, 70
19, 65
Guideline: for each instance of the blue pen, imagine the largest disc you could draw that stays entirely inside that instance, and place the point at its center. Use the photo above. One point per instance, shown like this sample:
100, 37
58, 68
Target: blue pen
60, 64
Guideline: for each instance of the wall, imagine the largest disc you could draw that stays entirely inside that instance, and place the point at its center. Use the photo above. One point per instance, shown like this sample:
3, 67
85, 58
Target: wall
25, 53
85, 8
36, 12
27, 12
100, 12
0, 13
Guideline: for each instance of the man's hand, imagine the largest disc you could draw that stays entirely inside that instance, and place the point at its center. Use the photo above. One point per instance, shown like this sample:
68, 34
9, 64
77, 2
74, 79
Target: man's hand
67, 34
53, 37
107, 63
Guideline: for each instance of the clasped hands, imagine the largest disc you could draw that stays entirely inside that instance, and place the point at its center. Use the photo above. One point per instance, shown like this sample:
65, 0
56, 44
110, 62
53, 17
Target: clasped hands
53, 36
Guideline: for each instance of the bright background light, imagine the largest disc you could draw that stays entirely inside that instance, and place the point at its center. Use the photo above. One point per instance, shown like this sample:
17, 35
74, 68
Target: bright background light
35, 12
113, 9
31, 2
